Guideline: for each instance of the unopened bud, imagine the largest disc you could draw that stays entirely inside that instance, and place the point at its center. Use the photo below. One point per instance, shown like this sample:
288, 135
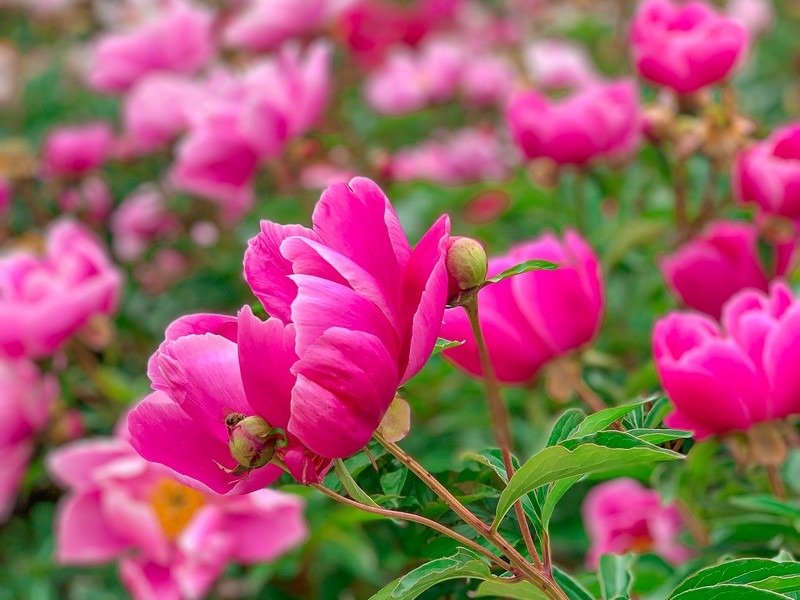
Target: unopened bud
467, 265
252, 442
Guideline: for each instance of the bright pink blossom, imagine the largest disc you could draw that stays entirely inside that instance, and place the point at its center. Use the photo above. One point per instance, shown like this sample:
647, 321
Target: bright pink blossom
46, 299
623, 516
26, 399
708, 270
78, 149
530, 319
175, 39
685, 47
171, 541
600, 121
727, 379
767, 174
141, 219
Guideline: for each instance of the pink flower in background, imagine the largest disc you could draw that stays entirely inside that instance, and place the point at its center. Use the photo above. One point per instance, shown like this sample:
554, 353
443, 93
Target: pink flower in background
487, 80
557, 64
685, 47
175, 39
322, 175
463, 156
531, 319
727, 379
623, 516
157, 109
91, 198
26, 400
708, 270
46, 299
171, 541
756, 16
767, 174
6, 195
76, 150
600, 121
141, 219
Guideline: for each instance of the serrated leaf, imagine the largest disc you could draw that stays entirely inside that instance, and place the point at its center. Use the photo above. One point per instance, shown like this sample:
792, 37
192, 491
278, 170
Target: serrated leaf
442, 344
520, 590
729, 592
603, 451
615, 576
760, 573
525, 267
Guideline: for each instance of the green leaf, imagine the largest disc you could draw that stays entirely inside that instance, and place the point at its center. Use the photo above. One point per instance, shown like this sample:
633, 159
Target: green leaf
759, 573
521, 590
602, 419
615, 576
525, 267
565, 425
659, 436
393, 481
463, 564
355, 491
573, 589
443, 344
729, 592
603, 451
766, 503
657, 412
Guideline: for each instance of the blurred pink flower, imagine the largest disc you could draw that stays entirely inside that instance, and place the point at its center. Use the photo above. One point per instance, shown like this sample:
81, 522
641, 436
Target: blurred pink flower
685, 47
6, 195
600, 121
727, 379
76, 150
756, 16
322, 175
46, 299
141, 219
26, 400
171, 541
708, 270
531, 319
623, 516
176, 39
91, 197
464, 156
157, 109
556, 64
487, 80
767, 173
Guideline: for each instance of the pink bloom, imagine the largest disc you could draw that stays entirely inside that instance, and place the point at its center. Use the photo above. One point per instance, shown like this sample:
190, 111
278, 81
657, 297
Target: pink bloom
77, 149
6, 195
767, 174
533, 318
171, 541
26, 399
723, 380
141, 219
705, 272
756, 16
157, 109
92, 198
46, 299
464, 156
322, 175
623, 516
595, 122
685, 47
556, 64
176, 39
487, 80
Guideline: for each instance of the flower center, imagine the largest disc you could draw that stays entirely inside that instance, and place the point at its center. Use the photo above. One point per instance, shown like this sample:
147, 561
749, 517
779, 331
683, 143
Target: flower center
641, 544
175, 504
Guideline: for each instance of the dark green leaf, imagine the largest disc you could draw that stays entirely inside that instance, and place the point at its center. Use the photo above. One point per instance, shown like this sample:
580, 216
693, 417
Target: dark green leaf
615, 576
573, 589
760, 573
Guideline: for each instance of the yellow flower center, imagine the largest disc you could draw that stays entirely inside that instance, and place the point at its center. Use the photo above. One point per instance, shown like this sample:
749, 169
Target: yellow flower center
175, 504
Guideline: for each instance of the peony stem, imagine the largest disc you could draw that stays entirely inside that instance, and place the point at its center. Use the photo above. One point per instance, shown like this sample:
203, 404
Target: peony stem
500, 420
404, 516
776, 482
531, 573
681, 195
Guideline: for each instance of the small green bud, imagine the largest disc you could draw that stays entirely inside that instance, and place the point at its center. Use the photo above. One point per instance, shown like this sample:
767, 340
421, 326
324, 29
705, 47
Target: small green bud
467, 265
252, 442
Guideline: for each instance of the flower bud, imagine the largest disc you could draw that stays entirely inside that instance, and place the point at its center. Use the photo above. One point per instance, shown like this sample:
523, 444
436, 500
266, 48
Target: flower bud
252, 442
467, 265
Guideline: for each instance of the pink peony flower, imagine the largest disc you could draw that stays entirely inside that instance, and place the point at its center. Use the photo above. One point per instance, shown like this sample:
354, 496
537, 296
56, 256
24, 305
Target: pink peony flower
140, 220
707, 271
600, 121
6, 195
685, 47
556, 64
91, 198
623, 516
767, 174
171, 541
46, 299
26, 400
77, 150
756, 16
463, 156
727, 379
175, 39
487, 80
531, 319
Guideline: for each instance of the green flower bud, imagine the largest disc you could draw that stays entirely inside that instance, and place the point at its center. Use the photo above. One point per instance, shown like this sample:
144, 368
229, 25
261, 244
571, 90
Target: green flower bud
467, 265
251, 440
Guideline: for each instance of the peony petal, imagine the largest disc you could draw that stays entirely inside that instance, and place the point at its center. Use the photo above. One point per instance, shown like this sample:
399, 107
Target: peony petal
82, 535
781, 360
74, 465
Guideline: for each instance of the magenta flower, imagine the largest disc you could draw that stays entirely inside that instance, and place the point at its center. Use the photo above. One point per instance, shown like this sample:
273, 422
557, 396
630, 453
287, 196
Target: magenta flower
175, 39
171, 541
727, 379
6, 195
623, 516
46, 299
141, 219
77, 150
531, 319
767, 174
685, 47
26, 399
600, 121
708, 270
